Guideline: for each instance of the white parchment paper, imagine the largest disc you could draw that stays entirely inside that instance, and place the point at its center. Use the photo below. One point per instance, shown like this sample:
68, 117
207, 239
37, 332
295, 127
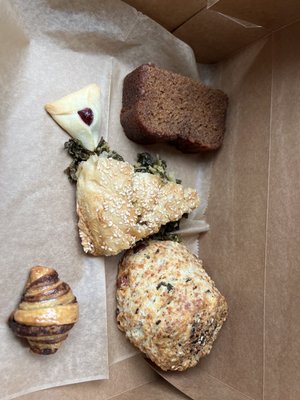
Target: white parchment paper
50, 48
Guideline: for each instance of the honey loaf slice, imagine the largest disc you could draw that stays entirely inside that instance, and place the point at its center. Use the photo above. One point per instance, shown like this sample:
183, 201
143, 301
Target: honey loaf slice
162, 106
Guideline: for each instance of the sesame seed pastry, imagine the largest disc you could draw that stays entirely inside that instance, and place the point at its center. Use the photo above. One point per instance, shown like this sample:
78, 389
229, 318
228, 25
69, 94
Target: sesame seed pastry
117, 206
47, 311
167, 305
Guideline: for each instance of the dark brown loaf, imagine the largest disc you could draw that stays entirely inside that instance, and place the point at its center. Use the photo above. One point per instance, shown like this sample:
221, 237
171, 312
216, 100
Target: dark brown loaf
162, 106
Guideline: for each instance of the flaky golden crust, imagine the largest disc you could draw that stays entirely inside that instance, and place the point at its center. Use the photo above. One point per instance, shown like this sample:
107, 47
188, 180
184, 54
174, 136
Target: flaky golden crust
167, 305
118, 207
47, 311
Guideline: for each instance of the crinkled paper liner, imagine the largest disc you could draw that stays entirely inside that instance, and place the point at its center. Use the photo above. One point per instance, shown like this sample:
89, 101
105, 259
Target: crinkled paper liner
50, 49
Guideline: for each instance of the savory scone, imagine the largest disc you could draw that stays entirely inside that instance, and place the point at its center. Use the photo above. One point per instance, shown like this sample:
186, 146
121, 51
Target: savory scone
167, 305
117, 206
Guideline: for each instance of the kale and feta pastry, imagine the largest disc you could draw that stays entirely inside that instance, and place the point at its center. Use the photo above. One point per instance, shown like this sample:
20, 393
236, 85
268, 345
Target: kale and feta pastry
167, 305
118, 206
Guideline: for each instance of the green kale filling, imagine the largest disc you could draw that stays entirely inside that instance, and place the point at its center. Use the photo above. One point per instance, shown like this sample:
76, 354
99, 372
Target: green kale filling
75, 149
167, 285
165, 232
153, 165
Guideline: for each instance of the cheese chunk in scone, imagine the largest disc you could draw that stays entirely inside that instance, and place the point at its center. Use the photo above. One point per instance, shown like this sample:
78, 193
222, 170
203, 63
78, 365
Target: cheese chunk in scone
117, 206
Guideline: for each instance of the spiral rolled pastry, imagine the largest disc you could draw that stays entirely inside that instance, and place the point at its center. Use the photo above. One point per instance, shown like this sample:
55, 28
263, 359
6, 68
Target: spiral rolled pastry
47, 311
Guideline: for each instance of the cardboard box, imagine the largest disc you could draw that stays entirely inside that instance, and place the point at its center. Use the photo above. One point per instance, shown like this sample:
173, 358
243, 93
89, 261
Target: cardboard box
252, 249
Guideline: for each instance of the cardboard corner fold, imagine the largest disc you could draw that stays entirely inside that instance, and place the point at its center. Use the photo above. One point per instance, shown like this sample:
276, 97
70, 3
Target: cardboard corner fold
226, 26
214, 36
157, 389
268, 13
168, 13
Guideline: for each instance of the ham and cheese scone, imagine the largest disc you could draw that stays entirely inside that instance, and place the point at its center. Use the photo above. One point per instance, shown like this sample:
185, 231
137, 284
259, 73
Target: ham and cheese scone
167, 305
117, 206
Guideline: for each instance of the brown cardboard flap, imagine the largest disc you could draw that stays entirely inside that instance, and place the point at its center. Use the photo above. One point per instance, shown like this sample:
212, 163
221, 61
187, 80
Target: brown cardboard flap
158, 389
216, 29
204, 386
169, 13
282, 299
234, 249
228, 25
214, 37
271, 14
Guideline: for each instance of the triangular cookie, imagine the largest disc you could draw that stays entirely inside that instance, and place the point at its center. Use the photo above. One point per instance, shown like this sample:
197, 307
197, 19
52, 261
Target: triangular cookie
117, 206
79, 114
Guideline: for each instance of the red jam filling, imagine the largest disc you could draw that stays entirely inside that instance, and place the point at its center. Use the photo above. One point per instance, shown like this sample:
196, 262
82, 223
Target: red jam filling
86, 115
